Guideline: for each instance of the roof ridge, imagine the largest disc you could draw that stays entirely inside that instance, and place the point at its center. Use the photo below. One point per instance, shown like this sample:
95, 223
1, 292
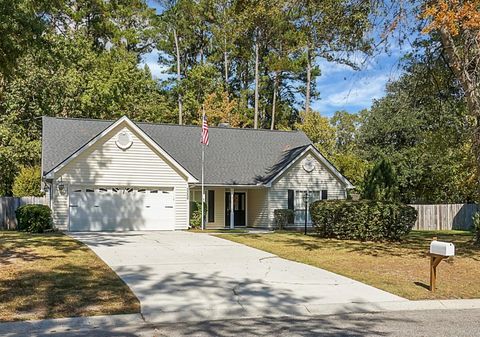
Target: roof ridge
176, 125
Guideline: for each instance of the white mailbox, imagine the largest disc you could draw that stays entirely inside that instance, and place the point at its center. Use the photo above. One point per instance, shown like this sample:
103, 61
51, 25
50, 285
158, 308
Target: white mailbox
442, 248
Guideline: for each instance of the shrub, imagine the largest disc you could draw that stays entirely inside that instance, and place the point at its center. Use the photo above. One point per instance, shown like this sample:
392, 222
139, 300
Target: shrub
34, 218
28, 183
196, 213
362, 220
283, 217
476, 227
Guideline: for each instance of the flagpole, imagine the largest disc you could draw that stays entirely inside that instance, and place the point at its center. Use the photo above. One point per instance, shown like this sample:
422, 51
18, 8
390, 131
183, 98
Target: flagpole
203, 187
203, 170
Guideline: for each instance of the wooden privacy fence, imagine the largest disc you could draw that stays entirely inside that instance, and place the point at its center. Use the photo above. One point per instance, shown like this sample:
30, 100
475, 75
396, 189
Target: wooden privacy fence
445, 216
8, 206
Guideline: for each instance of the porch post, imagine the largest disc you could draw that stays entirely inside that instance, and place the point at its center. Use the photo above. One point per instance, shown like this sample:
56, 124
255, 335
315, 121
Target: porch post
232, 211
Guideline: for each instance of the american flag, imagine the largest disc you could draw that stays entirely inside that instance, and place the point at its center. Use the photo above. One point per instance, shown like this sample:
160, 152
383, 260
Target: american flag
204, 139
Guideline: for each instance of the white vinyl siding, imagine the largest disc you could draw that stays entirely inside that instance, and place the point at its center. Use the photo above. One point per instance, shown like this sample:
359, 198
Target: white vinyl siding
297, 179
257, 203
104, 164
59, 208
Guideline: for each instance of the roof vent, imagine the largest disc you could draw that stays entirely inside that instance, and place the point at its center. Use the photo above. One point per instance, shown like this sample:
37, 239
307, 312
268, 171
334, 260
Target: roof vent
223, 125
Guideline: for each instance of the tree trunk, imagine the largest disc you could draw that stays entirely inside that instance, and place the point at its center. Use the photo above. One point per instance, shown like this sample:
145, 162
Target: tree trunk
274, 100
309, 82
468, 81
225, 63
179, 77
255, 120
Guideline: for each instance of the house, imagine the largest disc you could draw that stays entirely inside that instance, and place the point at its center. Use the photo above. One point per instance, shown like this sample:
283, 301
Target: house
120, 175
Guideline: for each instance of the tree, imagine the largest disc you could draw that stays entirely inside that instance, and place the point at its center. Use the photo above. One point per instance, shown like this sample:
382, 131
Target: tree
28, 183
334, 30
21, 30
220, 109
319, 130
421, 126
380, 182
457, 23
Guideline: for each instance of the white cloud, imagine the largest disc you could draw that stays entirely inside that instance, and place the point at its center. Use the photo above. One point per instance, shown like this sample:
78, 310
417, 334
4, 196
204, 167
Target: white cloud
354, 94
158, 71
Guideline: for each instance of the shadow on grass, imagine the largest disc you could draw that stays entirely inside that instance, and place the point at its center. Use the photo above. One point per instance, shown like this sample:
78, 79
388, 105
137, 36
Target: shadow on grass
67, 291
27, 247
422, 285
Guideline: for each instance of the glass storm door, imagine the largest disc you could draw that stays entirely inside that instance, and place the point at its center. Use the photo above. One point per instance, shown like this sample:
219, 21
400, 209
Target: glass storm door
238, 209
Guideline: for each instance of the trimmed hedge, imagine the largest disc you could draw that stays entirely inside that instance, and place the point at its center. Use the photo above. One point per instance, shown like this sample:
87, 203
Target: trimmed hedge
362, 220
283, 217
34, 218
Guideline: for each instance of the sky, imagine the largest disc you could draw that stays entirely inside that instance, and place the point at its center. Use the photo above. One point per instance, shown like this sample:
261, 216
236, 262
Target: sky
340, 87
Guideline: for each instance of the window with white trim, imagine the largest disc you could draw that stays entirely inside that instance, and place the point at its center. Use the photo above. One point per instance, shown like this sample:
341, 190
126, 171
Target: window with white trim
299, 203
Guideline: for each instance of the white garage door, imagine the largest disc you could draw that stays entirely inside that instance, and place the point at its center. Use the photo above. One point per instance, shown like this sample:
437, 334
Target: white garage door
121, 209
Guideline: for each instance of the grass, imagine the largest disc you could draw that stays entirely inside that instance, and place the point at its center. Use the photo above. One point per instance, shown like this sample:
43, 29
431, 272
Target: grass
52, 275
400, 268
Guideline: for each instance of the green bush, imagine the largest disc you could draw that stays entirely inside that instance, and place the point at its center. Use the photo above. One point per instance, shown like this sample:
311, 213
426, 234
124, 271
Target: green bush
34, 218
196, 213
476, 227
362, 220
283, 217
28, 183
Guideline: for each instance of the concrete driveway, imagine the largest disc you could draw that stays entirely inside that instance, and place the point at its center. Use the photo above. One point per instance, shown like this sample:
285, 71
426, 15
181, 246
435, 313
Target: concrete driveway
181, 276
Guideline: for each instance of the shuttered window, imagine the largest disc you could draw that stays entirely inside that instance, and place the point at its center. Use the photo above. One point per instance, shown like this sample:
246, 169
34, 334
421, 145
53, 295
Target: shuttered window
324, 194
291, 199
211, 206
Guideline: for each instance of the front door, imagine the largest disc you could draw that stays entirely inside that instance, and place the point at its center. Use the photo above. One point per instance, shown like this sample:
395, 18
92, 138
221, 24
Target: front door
238, 209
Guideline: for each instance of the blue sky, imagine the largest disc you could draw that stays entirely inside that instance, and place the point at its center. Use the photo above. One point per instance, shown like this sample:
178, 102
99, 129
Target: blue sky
340, 87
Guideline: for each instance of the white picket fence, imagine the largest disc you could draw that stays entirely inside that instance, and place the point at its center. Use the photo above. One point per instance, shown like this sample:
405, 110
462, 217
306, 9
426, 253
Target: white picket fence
8, 205
445, 216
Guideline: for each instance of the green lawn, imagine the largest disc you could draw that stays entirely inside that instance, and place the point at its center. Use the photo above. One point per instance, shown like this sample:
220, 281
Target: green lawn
53, 275
400, 268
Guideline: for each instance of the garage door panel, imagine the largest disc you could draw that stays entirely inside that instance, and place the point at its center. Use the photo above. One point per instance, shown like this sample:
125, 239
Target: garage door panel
121, 209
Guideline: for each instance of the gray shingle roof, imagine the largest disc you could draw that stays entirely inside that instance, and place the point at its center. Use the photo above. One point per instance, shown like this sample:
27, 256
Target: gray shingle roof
234, 156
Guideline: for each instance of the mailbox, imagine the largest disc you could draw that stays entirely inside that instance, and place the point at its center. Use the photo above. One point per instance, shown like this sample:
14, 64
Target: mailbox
442, 248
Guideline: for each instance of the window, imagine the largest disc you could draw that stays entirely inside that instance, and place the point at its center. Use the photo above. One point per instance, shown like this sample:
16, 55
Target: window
211, 206
291, 198
314, 196
298, 198
324, 194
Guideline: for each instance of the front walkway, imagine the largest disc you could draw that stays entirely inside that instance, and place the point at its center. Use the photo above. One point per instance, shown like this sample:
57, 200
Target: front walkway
181, 276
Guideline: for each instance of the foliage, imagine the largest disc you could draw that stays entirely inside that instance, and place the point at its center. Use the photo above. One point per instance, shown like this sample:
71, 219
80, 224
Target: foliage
283, 217
28, 182
196, 213
380, 182
34, 218
319, 130
457, 26
476, 227
421, 126
362, 220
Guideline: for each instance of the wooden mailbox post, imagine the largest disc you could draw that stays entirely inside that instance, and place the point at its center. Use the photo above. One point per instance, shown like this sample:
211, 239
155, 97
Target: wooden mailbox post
438, 251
